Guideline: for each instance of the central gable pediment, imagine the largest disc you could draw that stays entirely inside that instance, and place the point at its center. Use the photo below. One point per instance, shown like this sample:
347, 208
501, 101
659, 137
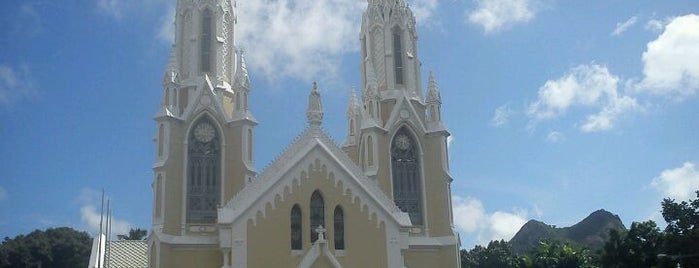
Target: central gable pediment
313, 150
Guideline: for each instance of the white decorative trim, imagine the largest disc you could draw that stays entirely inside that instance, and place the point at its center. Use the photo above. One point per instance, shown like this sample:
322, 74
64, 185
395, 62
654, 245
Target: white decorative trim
304, 152
319, 248
438, 241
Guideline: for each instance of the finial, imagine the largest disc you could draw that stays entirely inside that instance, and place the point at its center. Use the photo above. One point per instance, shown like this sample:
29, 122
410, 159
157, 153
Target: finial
314, 114
433, 90
171, 71
242, 80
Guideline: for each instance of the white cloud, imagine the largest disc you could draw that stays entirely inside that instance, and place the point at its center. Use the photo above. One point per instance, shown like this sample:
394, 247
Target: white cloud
15, 84
505, 225
495, 15
584, 86
3, 194
304, 39
501, 116
469, 214
671, 62
423, 9
450, 139
556, 137
621, 27
678, 183
90, 214
166, 31
655, 25
470, 217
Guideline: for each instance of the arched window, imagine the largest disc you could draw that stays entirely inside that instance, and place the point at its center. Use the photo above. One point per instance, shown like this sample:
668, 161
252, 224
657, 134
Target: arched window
339, 228
296, 228
250, 145
206, 41
398, 55
370, 151
161, 138
317, 214
405, 166
351, 126
203, 172
158, 196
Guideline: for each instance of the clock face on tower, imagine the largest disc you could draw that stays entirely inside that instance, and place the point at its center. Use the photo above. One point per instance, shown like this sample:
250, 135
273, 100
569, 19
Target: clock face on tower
402, 142
204, 132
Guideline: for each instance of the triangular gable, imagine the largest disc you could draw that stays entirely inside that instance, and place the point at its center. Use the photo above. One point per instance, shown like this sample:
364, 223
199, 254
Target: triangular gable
275, 178
410, 115
204, 98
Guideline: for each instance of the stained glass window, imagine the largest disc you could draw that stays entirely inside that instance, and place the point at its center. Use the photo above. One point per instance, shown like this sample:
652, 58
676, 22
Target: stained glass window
405, 166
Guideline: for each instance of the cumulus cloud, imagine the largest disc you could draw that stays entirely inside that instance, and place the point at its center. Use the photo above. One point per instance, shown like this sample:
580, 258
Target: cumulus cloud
678, 183
423, 9
301, 39
655, 25
671, 62
495, 15
555, 137
501, 116
3, 194
470, 217
15, 84
621, 27
584, 86
166, 31
90, 214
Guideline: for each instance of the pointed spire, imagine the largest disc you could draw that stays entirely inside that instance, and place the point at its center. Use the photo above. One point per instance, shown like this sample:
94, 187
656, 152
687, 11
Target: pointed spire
171, 71
352, 106
242, 80
315, 107
433, 95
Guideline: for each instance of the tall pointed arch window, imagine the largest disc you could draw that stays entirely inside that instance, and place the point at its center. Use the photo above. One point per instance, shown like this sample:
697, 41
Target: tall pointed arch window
206, 41
339, 228
317, 214
405, 167
398, 54
203, 172
370, 151
296, 228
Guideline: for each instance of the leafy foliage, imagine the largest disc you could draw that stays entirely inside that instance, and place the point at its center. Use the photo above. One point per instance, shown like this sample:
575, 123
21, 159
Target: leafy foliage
496, 254
638, 247
55, 247
134, 234
552, 254
682, 231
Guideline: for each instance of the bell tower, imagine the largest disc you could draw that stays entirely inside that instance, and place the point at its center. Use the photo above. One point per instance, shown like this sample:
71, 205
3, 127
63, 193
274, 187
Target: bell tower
400, 140
204, 141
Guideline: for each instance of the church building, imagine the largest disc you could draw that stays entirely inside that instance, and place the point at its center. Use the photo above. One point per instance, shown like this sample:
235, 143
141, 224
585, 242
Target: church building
382, 198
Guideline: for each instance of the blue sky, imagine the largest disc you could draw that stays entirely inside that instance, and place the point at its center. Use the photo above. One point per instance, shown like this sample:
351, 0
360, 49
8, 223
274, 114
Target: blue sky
556, 108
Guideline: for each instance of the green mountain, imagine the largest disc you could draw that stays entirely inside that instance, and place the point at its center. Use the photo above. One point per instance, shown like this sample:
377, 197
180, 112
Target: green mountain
591, 233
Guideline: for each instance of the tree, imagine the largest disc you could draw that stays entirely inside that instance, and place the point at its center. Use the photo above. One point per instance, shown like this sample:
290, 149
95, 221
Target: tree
134, 234
682, 231
497, 254
639, 247
553, 254
55, 247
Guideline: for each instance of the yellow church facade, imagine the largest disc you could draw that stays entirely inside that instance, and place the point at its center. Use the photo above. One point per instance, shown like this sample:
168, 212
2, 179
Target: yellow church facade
382, 198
